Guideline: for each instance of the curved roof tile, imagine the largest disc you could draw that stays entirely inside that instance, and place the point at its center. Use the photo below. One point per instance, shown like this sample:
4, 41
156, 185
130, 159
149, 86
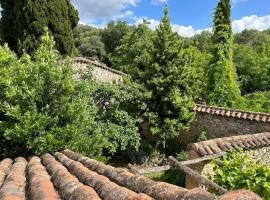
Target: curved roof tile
70, 176
234, 113
219, 145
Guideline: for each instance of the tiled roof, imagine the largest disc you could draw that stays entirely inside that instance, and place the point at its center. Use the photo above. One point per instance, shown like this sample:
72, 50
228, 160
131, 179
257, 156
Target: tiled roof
219, 145
70, 176
240, 114
97, 64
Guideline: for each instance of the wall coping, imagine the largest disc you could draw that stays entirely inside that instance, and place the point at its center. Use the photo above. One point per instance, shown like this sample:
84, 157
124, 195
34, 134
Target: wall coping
220, 145
233, 113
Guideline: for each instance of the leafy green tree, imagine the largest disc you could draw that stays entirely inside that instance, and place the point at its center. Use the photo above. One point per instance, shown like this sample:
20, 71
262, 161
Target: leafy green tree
89, 42
43, 108
133, 56
253, 69
203, 41
222, 81
23, 23
113, 33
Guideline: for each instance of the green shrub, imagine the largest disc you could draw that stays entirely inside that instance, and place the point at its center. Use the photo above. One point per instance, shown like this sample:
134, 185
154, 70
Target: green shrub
238, 170
172, 176
257, 102
182, 156
43, 109
202, 137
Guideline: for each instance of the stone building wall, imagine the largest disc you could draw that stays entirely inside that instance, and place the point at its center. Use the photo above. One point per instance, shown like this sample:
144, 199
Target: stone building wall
217, 126
100, 72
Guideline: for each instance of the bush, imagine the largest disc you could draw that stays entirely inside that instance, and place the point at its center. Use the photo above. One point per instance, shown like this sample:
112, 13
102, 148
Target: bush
43, 109
202, 137
182, 156
238, 170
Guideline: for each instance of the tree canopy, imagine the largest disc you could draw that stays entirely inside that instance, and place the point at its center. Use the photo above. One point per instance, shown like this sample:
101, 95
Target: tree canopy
23, 23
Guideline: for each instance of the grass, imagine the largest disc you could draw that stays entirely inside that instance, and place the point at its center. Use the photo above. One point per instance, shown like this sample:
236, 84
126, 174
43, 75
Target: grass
172, 176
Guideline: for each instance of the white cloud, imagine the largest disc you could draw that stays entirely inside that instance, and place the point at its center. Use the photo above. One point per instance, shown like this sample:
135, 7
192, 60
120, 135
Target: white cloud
93, 10
251, 22
156, 2
248, 22
185, 31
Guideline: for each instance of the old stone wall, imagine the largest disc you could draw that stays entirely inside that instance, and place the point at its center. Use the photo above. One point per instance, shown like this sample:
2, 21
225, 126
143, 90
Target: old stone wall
217, 126
100, 72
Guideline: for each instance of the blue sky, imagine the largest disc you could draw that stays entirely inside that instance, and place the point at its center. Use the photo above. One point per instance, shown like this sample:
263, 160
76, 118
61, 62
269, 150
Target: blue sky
188, 16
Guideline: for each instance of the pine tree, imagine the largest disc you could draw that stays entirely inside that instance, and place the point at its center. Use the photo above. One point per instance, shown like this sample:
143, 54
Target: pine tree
170, 104
222, 85
23, 23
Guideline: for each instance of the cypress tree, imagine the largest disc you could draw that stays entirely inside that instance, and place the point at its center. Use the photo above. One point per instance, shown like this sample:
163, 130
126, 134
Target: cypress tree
222, 85
23, 23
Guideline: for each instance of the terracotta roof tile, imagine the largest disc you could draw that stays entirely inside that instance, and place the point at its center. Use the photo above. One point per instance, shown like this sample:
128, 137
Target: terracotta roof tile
217, 146
240, 195
70, 176
241, 114
13, 187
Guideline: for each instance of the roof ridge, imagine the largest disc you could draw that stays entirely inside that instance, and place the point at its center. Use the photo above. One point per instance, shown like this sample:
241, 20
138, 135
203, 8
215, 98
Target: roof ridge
235, 113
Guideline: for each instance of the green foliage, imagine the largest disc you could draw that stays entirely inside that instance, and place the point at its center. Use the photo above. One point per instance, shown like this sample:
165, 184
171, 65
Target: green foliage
44, 109
88, 41
133, 56
238, 170
169, 76
202, 137
222, 84
113, 33
257, 102
182, 156
253, 67
172, 176
22, 24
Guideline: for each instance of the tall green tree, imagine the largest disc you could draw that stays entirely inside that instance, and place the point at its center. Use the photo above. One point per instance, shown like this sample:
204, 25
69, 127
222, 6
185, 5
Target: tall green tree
222, 84
170, 102
23, 22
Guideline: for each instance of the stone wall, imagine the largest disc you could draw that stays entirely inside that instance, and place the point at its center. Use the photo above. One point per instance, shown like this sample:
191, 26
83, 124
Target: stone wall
217, 126
100, 72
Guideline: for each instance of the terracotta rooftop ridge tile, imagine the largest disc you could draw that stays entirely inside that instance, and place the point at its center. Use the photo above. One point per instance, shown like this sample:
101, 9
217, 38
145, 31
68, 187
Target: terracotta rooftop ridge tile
40, 185
139, 184
4, 169
97, 64
68, 185
104, 187
14, 185
70, 176
234, 113
219, 145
